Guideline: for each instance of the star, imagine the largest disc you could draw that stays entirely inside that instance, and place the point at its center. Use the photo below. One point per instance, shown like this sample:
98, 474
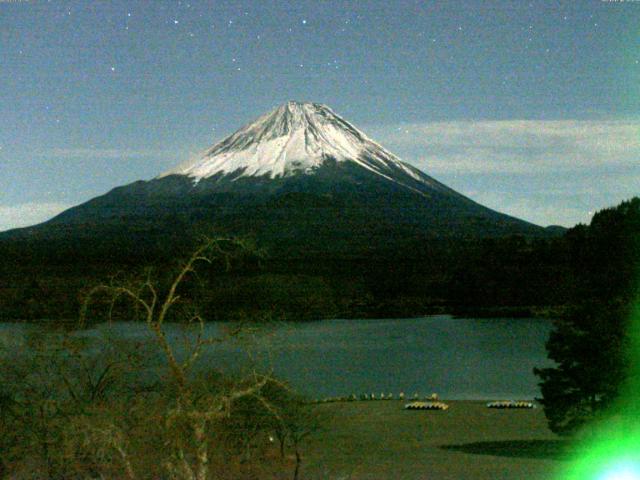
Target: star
176, 22
304, 22
113, 69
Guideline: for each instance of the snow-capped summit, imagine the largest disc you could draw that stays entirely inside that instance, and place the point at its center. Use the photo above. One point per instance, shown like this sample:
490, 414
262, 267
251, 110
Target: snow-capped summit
297, 138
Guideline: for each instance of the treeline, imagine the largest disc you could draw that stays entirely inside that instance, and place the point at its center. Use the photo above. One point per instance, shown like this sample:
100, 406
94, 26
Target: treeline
513, 275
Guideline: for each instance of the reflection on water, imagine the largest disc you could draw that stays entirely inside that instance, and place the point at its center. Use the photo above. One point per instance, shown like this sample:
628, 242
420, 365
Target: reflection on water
457, 358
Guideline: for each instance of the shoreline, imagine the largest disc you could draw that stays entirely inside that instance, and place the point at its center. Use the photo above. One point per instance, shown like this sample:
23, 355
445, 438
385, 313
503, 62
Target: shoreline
499, 312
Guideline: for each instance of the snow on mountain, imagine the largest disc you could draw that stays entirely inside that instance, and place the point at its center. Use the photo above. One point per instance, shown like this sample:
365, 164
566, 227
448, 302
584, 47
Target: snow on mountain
297, 138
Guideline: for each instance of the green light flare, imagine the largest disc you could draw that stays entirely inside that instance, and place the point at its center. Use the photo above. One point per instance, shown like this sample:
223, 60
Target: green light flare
613, 453
622, 471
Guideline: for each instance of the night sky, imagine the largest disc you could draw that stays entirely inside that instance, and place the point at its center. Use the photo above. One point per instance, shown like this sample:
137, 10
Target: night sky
531, 108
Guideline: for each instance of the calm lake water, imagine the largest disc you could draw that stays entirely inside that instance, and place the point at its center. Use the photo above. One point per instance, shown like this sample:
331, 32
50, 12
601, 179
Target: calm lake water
456, 357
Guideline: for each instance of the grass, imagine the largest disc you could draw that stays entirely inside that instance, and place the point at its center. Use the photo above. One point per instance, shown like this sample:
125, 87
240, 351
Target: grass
380, 440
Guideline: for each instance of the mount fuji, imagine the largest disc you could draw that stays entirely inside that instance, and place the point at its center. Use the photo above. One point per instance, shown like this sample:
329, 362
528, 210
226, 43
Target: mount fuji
299, 179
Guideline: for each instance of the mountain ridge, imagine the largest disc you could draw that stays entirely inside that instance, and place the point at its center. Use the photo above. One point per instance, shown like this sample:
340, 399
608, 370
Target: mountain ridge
384, 240
298, 175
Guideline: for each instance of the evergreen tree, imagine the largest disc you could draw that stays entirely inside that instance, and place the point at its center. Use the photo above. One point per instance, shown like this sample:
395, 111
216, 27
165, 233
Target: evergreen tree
588, 346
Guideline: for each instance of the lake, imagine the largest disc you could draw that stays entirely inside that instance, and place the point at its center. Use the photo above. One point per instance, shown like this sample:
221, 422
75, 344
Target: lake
458, 358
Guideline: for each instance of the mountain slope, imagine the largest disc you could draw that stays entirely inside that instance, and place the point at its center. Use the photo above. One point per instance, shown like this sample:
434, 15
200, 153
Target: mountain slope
298, 179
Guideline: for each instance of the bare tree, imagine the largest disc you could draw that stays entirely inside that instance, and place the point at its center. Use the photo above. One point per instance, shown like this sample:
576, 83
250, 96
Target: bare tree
57, 382
194, 412
298, 420
77, 405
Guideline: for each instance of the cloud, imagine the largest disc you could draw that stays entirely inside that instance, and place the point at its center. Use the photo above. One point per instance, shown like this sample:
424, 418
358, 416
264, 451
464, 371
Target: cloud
515, 146
547, 172
26, 214
102, 153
